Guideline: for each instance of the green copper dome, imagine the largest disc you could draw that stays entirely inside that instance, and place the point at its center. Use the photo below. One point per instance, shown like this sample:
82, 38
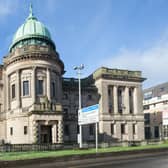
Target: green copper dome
31, 32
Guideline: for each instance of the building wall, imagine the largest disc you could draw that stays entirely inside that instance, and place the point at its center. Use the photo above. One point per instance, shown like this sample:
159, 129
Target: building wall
18, 109
119, 97
89, 96
16, 125
112, 115
2, 131
106, 93
154, 108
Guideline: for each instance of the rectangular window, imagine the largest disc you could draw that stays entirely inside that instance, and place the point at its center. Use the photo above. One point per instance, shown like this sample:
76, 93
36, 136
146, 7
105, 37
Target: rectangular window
91, 129
25, 130
11, 130
147, 133
66, 130
13, 91
110, 108
77, 129
112, 129
146, 107
25, 88
156, 130
147, 118
134, 129
122, 128
148, 95
39, 87
65, 110
53, 85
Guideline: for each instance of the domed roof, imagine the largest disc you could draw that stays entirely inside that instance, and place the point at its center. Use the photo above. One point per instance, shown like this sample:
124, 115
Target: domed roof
32, 28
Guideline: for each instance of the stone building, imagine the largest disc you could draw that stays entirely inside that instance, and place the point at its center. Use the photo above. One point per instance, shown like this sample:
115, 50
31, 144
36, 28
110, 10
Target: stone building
39, 105
119, 95
155, 105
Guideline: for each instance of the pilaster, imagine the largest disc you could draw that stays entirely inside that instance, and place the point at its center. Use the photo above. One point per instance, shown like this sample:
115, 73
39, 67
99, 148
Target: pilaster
115, 98
60, 131
48, 84
34, 85
18, 89
135, 100
126, 101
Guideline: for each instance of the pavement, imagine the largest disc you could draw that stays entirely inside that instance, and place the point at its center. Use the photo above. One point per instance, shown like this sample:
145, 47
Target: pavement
135, 160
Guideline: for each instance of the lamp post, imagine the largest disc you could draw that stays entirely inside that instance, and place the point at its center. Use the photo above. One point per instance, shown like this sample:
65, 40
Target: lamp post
78, 69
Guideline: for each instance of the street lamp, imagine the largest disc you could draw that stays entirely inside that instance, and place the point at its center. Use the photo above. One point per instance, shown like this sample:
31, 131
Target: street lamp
78, 69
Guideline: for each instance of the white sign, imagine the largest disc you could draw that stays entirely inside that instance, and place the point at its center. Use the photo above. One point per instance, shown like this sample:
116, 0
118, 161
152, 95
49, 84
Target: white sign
89, 115
165, 117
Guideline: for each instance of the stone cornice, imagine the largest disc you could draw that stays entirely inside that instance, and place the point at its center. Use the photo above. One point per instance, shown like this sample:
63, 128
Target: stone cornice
118, 74
120, 78
33, 53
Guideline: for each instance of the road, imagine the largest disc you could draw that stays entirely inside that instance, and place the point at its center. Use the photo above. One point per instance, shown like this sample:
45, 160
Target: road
136, 161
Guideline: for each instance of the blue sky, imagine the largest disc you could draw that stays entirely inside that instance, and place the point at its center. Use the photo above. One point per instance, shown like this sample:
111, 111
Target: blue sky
127, 34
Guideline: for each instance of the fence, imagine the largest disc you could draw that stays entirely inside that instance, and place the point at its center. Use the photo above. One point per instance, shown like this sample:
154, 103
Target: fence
35, 147
54, 147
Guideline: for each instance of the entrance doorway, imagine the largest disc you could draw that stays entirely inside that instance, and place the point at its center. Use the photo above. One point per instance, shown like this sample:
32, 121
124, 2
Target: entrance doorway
45, 134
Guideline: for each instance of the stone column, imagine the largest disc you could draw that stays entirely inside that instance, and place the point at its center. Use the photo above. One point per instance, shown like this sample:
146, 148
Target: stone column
115, 99
18, 89
54, 133
60, 132
135, 101
33, 85
59, 88
126, 101
8, 89
48, 84
104, 100
36, 131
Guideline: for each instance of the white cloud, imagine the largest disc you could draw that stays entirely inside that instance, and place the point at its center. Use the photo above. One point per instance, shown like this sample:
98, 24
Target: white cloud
153, 62
8, 7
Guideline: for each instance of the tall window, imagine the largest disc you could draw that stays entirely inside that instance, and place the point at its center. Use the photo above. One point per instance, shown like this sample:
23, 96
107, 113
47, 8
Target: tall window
134, 129
53, 85
147, 118
156, 130
122, 128
25, 88
91, 129
66, 130
25, 130
112, 129
39, 87
13, 91
11, 130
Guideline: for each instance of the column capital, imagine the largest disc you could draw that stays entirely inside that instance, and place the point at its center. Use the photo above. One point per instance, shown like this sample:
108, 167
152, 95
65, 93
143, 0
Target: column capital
17, 71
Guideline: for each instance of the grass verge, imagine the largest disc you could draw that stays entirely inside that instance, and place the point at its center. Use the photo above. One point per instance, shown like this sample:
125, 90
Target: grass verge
7, 156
